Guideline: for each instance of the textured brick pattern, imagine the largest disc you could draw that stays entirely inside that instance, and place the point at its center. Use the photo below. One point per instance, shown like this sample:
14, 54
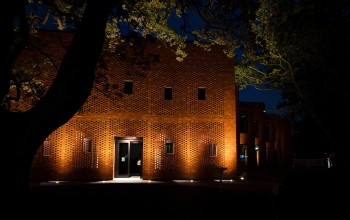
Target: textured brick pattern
190, 123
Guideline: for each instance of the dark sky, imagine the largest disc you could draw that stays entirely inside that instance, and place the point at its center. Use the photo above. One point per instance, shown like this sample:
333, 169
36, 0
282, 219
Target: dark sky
270, 97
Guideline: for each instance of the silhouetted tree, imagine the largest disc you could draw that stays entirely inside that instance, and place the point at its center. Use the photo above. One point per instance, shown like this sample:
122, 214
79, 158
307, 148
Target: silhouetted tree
300, 48
23, 132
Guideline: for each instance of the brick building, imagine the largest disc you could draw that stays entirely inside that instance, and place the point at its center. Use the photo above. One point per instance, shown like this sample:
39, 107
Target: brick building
178, 118
264, 139
152, 116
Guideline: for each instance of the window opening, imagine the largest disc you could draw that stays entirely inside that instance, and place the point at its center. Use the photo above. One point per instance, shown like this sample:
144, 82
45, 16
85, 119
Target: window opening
168, 93
87, 145
169, 147
243, 122
201, 93
128, 87
212, 150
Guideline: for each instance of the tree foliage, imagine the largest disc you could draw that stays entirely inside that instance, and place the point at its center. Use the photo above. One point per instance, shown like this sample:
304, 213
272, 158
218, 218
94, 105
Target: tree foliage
174, 22
300, 48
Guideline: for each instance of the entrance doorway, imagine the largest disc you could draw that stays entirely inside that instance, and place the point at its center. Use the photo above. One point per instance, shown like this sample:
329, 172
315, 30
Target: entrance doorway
128, 157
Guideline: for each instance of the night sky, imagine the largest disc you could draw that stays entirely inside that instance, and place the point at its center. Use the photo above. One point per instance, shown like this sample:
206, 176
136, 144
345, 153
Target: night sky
270, 97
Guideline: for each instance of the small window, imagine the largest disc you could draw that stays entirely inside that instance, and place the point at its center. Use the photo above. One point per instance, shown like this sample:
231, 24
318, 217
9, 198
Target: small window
212, 150
47, 148
128, 86
169, 147
87, 145
243, 122
168, 93
201, 93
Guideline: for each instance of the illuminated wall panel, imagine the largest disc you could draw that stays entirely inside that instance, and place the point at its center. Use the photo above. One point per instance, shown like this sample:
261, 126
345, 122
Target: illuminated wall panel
189, 123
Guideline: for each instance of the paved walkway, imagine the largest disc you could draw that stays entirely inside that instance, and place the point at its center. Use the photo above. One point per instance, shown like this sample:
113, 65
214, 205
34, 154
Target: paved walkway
262, 186
300, 196
135, 198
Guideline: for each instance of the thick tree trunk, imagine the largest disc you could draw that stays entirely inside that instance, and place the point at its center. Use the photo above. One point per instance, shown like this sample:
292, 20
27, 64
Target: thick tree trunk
23, 133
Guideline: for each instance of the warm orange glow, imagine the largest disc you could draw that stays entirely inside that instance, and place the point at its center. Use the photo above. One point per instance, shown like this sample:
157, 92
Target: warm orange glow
190, 124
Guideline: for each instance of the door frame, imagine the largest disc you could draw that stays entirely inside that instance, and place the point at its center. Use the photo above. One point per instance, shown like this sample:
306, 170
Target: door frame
130, 156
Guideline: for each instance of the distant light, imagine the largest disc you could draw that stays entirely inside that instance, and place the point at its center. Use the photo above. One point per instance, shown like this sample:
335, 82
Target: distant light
149, 181
242, 178
57, 182
191, 181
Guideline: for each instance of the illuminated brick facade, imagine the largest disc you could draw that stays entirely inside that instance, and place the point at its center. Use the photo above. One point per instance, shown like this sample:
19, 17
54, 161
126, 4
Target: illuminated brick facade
179, 118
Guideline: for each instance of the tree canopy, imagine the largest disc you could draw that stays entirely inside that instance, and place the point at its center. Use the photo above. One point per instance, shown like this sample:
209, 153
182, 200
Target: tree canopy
299, 48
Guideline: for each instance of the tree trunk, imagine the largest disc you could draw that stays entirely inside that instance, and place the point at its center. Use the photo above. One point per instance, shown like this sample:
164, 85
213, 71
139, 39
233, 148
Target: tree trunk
23, 133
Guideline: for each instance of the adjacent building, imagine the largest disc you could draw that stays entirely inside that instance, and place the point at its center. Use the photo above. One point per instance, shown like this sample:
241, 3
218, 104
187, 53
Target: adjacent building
264, 139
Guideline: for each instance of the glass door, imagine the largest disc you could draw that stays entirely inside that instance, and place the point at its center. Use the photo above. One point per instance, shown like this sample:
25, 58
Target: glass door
135, 158
128, 157
123, 158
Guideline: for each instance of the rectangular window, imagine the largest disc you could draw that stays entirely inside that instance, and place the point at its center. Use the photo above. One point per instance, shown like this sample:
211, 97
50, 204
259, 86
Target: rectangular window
201, 93
243, 155
47, 148
212, 150
168, 93
87, 145
243, 122
256, 128
169, 147
128, 86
